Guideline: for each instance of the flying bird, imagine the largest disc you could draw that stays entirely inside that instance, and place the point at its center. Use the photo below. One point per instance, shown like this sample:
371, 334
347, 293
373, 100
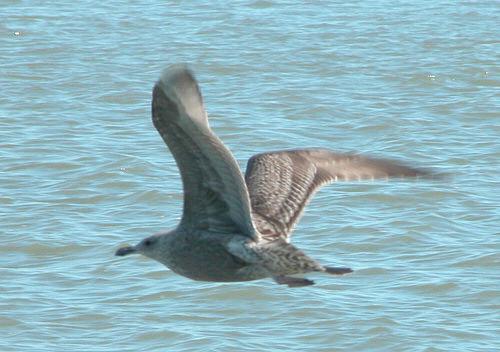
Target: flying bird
236, 228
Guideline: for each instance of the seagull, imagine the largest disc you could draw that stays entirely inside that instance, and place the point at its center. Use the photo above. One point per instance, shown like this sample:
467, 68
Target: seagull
236, 228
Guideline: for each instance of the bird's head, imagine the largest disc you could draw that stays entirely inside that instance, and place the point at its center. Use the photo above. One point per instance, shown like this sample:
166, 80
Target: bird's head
152, 247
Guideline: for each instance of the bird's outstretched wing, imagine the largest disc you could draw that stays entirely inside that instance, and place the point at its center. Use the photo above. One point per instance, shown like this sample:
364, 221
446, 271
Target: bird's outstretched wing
215, 195
280, 183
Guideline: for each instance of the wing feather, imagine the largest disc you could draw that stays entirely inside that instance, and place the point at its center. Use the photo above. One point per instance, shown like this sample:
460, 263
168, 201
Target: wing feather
281, 183
215, 195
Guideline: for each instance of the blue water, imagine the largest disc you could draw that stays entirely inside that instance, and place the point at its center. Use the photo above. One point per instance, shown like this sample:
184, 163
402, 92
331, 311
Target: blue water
83, 171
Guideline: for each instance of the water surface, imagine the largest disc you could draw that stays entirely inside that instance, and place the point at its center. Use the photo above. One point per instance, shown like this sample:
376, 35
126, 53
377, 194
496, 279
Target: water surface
83, 171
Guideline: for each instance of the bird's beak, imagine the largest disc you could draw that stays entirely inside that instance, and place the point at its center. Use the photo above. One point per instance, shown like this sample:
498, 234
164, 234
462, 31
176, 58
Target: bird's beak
125, 251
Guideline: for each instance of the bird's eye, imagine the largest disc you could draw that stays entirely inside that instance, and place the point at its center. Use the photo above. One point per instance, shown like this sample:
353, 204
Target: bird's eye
147, 242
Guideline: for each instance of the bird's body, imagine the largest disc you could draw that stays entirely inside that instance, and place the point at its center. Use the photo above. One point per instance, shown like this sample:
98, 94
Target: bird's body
237, 228
203, 256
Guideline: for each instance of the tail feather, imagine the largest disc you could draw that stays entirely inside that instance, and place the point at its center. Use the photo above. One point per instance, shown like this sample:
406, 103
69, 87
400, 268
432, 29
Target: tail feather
337, 270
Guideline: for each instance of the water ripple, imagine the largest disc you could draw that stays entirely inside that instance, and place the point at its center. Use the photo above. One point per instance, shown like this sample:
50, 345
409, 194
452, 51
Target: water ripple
83, 171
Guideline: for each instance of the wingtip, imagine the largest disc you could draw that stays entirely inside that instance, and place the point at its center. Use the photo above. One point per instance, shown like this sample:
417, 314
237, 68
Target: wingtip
431, 174
177, 90
175, 75
178, 82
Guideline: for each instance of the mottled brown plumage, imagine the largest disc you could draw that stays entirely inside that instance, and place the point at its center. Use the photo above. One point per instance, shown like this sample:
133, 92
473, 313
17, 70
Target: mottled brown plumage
235, 228
281, 183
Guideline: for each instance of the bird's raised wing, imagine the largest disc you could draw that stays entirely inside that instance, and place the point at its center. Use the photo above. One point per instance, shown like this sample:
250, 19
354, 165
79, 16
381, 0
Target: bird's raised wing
281, 183
215, 195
